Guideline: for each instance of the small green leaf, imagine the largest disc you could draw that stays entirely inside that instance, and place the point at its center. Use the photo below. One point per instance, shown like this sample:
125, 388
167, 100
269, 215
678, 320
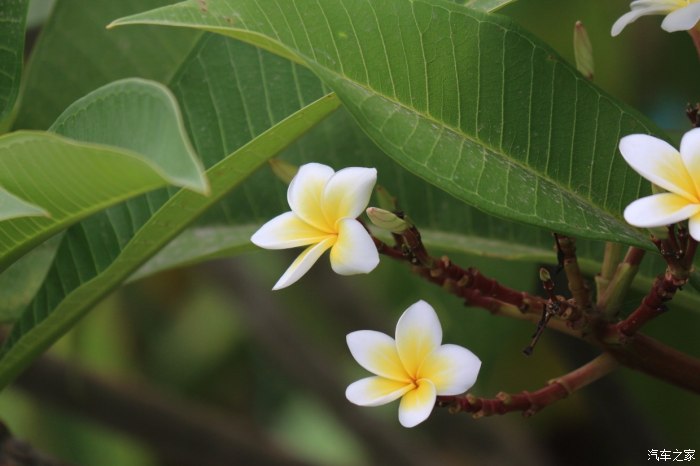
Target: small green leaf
73, 295
466, 100
13, 16
133, 141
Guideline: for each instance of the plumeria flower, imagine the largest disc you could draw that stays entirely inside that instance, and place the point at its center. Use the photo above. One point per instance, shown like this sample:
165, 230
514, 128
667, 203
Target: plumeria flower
325, 205
681, 15
677, 173
415, 367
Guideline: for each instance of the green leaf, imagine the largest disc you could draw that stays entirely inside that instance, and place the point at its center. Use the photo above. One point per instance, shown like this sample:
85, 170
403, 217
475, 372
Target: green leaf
132, 140
98, 254
13, 16
74, 38
14, 207
521, 136
447, 225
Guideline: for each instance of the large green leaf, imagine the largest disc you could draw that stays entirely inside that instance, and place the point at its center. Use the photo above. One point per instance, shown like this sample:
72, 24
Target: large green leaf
13, 16
128, 138
75, 54
467, 100
98, 254
447, 224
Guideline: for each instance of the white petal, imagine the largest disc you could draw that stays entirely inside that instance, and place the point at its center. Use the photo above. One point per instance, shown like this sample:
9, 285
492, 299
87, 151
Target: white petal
452, 369
376, 391
690, 152
658, 162
354, 251
659, 210
417, 404
347, 193
376, 352
287, 231
682, 19
418, 333
305, 193
303, 263
694, 227
635, 14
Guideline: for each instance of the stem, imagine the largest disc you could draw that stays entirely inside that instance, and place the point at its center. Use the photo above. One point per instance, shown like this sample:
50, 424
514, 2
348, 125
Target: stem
610, 302
531, 403
652, 305
469, 284
611, 260
660, 361
577, 285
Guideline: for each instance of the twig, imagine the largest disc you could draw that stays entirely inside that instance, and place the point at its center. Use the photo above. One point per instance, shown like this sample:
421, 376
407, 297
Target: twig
469, 284
530, 403
678, 249
577, 285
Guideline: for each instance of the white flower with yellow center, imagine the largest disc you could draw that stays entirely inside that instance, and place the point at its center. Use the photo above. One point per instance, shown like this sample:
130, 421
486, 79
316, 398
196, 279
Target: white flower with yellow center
325, 206
415, 367
682, 15
677, 173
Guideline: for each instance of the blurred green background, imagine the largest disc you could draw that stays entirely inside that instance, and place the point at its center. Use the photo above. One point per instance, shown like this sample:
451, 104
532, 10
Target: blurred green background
265, 372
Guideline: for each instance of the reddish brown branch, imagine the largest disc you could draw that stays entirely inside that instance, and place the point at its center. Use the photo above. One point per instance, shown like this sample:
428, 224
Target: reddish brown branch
469, 284
658, 360
530, 403
678, 249
653, 304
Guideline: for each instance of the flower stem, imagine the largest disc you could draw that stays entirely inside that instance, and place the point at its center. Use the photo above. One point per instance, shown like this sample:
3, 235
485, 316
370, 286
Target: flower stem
577, 285
530, 403
611, 299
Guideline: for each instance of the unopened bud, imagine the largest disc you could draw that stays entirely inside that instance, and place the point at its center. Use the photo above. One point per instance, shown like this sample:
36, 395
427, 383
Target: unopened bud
583, 52
544, 275
387, 220
285, 171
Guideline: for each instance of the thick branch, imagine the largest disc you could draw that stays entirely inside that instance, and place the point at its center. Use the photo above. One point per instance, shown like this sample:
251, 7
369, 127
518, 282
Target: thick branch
634, 352
660, 361
530, 403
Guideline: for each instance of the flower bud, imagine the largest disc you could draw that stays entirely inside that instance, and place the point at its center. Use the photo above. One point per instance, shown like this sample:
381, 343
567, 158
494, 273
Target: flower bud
387, 220
285, 171
583, 52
